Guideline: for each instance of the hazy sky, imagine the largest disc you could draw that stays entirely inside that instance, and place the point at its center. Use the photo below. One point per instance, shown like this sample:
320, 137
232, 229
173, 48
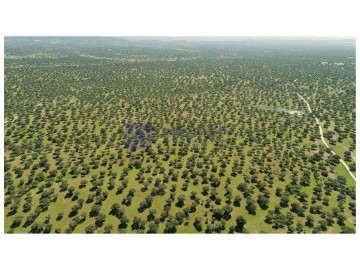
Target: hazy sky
235, 38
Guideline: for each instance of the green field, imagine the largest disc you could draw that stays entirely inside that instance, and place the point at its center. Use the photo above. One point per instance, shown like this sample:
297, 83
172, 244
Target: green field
107, 135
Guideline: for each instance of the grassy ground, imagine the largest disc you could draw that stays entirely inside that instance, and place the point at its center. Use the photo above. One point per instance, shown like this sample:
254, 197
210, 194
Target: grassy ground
220, 138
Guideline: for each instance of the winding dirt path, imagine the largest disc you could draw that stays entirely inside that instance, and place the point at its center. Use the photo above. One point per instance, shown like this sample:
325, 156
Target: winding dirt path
323, 140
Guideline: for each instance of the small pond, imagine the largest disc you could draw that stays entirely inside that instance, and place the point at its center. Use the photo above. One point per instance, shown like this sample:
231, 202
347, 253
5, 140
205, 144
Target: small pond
283, 110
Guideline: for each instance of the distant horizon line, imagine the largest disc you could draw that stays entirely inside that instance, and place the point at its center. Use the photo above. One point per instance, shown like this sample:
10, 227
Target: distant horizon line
239, 36
219, 37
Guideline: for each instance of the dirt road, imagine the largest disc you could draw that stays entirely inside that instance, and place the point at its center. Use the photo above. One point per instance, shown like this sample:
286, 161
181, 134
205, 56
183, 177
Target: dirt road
323, 140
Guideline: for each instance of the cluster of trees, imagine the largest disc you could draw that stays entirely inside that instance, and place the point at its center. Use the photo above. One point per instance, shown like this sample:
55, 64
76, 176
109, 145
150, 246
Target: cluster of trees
195, 145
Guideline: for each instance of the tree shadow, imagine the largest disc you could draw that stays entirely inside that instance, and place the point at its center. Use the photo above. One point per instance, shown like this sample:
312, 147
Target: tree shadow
180, 204
11, 213
263, 206
72, 214
250, 210
68, 195
15, 224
